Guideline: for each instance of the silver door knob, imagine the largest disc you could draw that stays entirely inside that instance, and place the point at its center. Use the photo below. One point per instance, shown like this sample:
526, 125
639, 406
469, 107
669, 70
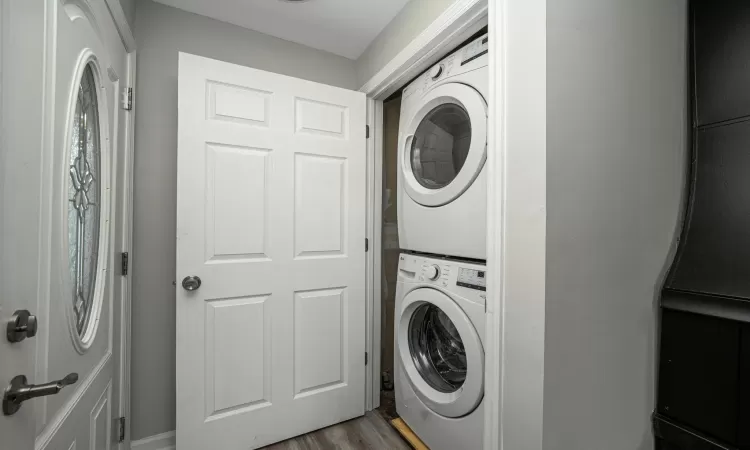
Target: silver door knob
21, 325
18, 391
191, 283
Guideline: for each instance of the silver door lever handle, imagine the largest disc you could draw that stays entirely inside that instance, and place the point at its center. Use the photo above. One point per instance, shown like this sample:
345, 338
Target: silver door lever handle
19, 391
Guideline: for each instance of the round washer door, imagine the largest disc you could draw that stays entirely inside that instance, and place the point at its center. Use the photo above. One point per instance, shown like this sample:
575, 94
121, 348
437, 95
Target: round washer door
445, 144
441, 353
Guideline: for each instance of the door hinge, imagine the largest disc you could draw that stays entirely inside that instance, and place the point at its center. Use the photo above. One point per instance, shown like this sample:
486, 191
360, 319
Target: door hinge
366, 358
127, 99
367, 131
120, 424
125, 262
367, 245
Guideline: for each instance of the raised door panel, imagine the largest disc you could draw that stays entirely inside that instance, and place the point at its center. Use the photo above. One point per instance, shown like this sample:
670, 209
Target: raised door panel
320, 352
320, 118
238, 355
100, 422
238, 104
237, 203
320, 202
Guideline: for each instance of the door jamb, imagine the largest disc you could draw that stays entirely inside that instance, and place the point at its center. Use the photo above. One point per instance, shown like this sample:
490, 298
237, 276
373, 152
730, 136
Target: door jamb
456, 24
126, 245
126, 242
123, 27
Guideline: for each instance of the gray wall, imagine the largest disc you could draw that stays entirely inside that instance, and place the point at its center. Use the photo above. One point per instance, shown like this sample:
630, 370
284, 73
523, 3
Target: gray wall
128, 7
617, 151
410, 21
161, 32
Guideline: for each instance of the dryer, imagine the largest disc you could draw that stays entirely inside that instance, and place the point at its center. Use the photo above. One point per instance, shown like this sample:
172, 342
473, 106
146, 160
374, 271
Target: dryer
442, 185
439, 339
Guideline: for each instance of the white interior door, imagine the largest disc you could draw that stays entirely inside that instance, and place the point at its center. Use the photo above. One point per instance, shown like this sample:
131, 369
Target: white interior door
63, 133
271, 218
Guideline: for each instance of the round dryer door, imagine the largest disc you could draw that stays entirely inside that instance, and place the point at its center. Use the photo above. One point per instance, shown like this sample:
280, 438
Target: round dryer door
445, 144
441, 353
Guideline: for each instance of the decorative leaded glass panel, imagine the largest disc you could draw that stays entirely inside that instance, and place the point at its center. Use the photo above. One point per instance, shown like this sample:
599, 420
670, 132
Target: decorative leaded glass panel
84, 199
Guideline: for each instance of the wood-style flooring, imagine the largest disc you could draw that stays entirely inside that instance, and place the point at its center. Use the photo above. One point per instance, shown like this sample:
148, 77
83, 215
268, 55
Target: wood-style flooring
370, 432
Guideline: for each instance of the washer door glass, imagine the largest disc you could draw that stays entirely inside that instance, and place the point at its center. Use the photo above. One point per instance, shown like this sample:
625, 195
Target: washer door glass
441, 145
437, 349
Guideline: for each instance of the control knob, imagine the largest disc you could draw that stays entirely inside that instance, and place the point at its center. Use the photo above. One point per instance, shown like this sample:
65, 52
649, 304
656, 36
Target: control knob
432, 272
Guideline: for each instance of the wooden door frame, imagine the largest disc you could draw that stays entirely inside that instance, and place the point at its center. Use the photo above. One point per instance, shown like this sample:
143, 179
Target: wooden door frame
516, 172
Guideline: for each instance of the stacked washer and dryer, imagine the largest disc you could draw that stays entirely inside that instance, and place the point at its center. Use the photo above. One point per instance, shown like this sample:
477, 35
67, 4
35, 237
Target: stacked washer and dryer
442, 213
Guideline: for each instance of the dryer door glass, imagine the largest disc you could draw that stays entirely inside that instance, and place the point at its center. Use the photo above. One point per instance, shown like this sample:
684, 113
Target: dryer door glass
437, 349
441, 145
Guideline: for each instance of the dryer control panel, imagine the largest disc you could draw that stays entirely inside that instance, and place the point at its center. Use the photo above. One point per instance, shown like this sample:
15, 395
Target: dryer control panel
470, 57
443, 273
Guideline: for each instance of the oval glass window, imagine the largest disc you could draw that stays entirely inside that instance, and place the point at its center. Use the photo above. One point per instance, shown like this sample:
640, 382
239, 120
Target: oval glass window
441, 145
84, 196
437, 349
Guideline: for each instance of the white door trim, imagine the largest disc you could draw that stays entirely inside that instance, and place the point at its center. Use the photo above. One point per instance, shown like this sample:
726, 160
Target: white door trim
123, 27
164, 441
372, 267
456, 24
126, 245
517, 203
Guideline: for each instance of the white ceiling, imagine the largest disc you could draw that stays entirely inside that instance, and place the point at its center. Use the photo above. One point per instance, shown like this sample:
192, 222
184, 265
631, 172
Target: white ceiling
343, 27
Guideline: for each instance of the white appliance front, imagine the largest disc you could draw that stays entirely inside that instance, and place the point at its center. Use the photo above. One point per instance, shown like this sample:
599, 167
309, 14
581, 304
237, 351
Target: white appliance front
439, 334
442, 150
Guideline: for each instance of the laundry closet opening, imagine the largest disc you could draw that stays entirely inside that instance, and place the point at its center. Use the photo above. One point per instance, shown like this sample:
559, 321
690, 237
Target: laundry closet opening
433, 246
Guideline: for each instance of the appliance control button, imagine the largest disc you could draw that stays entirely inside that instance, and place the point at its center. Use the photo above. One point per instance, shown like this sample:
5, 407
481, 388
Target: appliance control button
432, 272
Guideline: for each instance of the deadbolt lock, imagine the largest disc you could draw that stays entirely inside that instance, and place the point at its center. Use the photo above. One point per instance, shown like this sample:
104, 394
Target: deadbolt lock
21, 325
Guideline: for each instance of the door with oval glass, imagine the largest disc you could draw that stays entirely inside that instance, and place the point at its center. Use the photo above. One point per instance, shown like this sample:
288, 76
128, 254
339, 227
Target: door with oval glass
64, 165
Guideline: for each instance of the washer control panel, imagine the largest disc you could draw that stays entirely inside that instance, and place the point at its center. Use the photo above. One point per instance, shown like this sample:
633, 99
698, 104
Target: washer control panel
472, 279
443, 273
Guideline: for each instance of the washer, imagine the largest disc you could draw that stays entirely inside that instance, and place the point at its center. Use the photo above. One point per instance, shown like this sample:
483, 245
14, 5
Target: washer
442, 185
439, 331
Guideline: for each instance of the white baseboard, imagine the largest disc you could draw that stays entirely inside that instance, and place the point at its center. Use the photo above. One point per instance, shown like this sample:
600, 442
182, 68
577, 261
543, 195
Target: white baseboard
164, 441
